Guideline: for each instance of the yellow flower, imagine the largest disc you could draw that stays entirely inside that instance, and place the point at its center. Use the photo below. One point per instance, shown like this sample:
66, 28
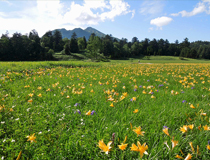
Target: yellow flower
30, 100
141, 148
103, 147
138, 131
125, 94
108, 92
48, 89
88, 113
183, 129
191, 106
193, 150
174, 143
125, 139
189, 156
208, 147
131, 126
178, 156
123, 87
198, 150
144, 92
31, 95
122, 97
112, 105
191, 126
122, 146
90, 85
67, 96
134, 98
199, 127
91, 91
31, 138
39, 88
165, 130
135, 111
203, 114
152, 96
19, 155
39, 95
206, 128
111, 99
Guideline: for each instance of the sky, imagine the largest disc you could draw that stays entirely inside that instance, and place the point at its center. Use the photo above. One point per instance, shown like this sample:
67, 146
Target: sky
167, 19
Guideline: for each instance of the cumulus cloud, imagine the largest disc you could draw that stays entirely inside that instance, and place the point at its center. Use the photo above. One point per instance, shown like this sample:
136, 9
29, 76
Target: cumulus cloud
161, 21
49, 15
200, 8
151, 7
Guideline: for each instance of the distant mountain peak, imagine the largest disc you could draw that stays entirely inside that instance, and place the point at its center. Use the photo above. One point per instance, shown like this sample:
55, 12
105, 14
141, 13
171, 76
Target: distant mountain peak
80, 32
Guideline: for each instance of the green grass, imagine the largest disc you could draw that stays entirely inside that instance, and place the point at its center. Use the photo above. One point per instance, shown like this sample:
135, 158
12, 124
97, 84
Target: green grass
162, 59
60, 89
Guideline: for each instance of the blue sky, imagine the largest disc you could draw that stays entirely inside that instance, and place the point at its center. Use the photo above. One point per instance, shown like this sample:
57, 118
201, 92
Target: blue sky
167, 19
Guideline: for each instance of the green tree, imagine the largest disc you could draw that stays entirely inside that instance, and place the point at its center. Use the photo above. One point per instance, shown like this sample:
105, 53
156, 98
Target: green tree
135, 49
57, 41
73, 44
81, 44
95, 46
67, 50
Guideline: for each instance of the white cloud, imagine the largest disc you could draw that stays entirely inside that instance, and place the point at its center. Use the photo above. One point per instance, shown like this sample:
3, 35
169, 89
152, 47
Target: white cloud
151, 7
161, 21
49, 15
9, 3
150, 29
117, 8
200, 8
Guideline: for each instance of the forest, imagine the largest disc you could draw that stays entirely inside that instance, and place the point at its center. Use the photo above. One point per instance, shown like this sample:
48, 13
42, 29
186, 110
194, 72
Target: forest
31, 47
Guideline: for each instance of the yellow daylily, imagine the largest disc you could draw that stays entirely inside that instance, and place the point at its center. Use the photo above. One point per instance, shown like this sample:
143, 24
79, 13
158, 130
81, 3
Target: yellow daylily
135, 111
174, 143
191, 126
178, 156
183, 129
152, 96
189, 156
206, 128
88, 113
112, 105
193, 150
165, 130
103, 147
19, 155
191, 106
31, 138
208, 147
30, 100
122, 146
39, 95
138, 131
30, 94
141, 148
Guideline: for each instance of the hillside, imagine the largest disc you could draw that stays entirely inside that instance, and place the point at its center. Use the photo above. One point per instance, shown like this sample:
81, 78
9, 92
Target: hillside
80, 32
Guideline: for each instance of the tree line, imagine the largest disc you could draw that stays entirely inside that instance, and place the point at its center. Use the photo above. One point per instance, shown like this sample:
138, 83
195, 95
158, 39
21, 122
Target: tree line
31, 47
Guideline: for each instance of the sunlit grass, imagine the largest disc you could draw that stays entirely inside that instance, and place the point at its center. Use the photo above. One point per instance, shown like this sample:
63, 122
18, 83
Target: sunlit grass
69, 108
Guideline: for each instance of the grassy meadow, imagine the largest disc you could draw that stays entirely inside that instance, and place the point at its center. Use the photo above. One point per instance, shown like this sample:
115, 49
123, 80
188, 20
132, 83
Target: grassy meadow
113, 110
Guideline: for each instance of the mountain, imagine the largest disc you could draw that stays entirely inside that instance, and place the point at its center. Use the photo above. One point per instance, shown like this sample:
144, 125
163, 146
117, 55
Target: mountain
80, 32
97, 33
